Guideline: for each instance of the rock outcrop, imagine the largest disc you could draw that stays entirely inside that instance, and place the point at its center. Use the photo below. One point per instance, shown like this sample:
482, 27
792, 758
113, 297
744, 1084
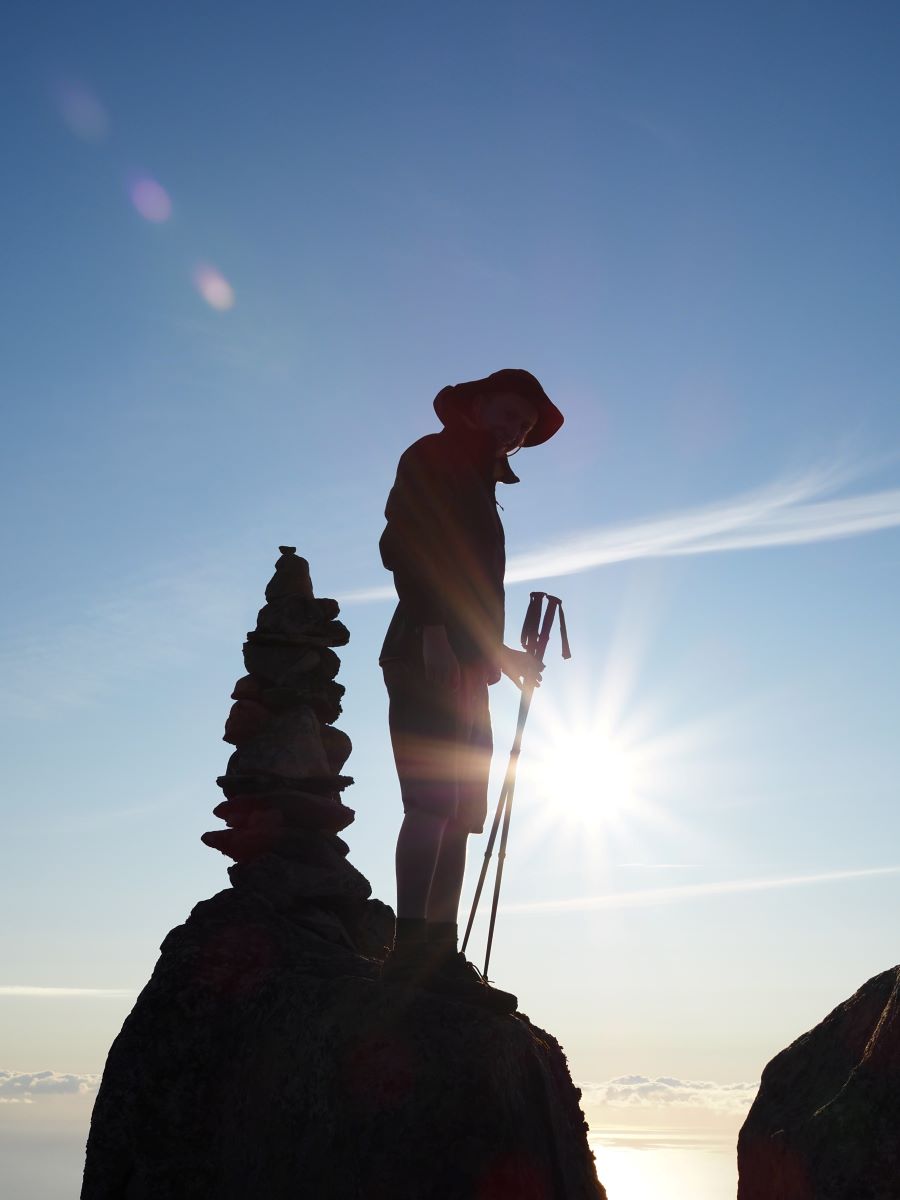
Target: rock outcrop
263, 1060
825, 1124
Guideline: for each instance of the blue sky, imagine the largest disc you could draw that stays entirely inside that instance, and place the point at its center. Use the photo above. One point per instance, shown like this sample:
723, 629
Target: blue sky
682, 219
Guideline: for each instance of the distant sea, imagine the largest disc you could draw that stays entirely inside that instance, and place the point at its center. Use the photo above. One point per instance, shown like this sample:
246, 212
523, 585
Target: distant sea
665, 1164
41, 1166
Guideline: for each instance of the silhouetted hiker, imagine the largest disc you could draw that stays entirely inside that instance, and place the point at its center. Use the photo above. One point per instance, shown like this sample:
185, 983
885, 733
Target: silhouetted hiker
444, 544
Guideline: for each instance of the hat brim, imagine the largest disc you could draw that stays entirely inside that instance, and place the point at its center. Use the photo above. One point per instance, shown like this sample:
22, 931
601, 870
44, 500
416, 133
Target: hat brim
452, 401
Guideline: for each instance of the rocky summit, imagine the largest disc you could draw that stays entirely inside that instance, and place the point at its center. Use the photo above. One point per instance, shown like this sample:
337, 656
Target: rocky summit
264, 1060
825, 1124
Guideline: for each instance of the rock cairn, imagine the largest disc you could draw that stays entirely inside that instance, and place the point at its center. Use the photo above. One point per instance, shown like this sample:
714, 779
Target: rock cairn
283, 786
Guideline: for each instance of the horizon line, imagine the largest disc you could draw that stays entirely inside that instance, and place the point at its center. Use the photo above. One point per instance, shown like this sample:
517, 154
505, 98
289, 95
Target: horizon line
25, 989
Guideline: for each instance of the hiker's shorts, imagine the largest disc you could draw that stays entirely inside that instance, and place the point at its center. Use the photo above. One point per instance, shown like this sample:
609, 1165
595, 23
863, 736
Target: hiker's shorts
442, 742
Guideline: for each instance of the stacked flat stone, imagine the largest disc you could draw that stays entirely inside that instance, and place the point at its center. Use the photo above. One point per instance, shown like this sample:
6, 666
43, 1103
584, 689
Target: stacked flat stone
283, 785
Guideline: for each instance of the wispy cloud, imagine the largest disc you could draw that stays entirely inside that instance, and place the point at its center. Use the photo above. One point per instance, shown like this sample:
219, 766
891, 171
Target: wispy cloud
369, 595
640, 1091
649, 897
787, 512
24, 1087
151, 619
166, 614
790, 511
659, 866
20, 989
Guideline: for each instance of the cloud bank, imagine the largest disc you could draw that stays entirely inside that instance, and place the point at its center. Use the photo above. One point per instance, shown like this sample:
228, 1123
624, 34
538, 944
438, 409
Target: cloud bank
640, 1091
22, 1087
626, 1091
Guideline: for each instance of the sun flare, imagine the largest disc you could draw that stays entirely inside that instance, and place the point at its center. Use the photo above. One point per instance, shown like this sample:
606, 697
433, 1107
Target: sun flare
612, 768
597, 777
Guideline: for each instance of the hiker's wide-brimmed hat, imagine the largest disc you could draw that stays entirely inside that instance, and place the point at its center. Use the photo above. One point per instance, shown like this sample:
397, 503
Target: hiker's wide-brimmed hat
454, 400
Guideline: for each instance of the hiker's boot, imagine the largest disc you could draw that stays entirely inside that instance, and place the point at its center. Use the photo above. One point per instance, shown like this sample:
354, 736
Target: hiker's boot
455, 977
458, 979
430, 960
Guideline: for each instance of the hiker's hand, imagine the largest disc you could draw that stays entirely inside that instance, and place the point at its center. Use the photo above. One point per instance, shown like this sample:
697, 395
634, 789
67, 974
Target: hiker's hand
441, 667
520, 666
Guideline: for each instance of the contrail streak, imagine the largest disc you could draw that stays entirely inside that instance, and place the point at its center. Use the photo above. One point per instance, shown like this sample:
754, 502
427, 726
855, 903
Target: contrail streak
650, 897
787, 512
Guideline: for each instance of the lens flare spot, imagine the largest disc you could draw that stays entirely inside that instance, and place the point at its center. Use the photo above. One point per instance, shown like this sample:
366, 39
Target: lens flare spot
82, 112
213, 287
150, 199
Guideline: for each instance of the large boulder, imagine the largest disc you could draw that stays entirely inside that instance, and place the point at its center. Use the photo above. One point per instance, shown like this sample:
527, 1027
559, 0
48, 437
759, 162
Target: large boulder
264, 1062
825, 1124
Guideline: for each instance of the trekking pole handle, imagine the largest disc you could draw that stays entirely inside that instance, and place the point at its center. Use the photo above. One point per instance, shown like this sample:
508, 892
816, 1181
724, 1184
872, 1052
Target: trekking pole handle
536, 633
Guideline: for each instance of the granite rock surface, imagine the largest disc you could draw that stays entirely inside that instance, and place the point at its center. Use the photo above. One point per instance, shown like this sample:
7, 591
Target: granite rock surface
264, 1060
825, 1124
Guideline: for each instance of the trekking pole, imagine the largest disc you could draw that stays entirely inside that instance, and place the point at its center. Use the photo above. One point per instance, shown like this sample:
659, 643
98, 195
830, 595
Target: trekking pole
535, 636
529, 635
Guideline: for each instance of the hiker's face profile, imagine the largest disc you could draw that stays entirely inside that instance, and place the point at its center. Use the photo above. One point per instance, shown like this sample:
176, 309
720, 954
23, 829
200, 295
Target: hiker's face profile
507, 417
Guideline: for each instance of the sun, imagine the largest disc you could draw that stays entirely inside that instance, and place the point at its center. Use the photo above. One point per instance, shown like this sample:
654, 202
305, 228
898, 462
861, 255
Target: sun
612, 771
587, 778
595, 775
612, 765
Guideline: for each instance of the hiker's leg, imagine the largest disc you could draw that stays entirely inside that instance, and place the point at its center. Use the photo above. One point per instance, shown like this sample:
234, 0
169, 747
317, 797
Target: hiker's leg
446, 884
418, 852
471, 770
422, 722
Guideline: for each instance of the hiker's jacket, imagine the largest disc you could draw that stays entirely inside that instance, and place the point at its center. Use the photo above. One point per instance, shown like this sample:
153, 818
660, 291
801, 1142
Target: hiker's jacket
444, 544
